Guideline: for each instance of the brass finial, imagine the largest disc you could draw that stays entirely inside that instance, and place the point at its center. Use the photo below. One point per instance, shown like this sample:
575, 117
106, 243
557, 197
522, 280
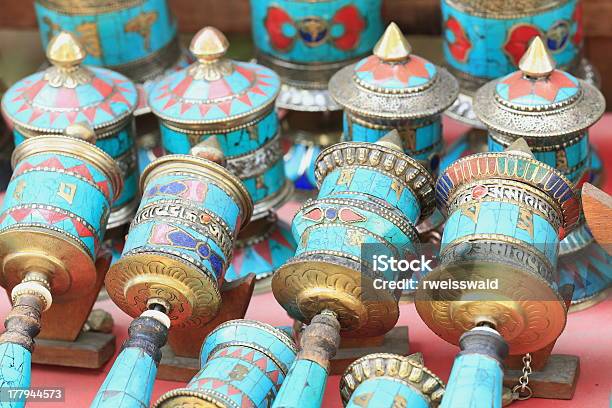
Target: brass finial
65, 50
393, 46
209, 44
537, 61
520, 148
209, 149
391, 140
81, 131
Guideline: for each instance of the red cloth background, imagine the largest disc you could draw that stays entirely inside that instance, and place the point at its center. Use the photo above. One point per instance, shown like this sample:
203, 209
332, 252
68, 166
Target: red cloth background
588, 334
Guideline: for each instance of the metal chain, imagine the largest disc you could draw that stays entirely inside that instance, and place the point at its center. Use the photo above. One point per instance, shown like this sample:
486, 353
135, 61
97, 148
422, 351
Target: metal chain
522, 391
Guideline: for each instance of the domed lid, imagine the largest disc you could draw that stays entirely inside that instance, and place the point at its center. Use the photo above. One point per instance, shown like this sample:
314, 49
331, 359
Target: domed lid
68, 92
538, 100
214, 90
394, 84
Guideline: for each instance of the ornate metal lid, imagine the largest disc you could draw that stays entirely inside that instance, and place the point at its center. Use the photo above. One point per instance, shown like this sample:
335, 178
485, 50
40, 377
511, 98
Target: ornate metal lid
538, 100
68, 92
214, 90
394, 84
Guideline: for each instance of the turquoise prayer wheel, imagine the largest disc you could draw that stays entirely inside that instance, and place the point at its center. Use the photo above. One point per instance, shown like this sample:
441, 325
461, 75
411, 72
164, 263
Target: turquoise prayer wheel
174, 260
390, 380
507, 212
307, 42
235, 103
244, 363
549, 108
369, 194
67, 93
475, 58
52, 220
395, 89
135, 37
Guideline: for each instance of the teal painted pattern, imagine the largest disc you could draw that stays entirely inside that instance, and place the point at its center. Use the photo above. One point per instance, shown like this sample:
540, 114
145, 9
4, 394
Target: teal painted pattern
365, 74
384, 392
316, 32
497, 53
572, 160
129, 384
500, 218
117, 37
234, 143
15, 371
475, 381
374, 183
303, 387
59, 192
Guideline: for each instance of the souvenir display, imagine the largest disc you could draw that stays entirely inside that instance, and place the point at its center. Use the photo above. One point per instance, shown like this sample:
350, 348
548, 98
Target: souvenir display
506, 214
49, 237
244, 363
67, 93
306, 43
175, 257
369, 194
233, 101
552, 110
475, 58
389, 380
394, 89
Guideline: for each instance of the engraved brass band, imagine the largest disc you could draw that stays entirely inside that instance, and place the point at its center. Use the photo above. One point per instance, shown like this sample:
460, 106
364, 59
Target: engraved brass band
281, 335
503, 9
105, 132
392, 366
257, 162
510, 192
89, 6
384, 159
214, 226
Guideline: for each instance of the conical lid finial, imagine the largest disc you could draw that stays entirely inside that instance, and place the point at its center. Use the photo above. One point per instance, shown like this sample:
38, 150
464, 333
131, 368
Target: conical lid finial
209, 149
520, 148
65, 50
391, 140
537, 61
209, 44
393, 46
81, 130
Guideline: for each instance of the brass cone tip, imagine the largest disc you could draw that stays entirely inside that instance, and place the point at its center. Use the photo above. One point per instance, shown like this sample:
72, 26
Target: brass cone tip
81, 131
209, 149
209, 44
65, 50
391, 140
417, 358
537, 61
520, 148
393, 46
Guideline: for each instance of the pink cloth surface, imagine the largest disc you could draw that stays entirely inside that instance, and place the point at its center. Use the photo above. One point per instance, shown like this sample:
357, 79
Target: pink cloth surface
588, 333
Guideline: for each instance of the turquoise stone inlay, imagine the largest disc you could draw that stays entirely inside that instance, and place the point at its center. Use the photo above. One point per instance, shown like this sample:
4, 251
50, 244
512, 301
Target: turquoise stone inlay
123, 389
411, 75
517, 89
475, 381
386, 392
508, 35
15, 372
316, 32
113, 36
304, 386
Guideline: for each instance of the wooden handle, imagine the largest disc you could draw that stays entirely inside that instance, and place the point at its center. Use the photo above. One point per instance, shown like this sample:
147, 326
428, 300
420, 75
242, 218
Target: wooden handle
597, 207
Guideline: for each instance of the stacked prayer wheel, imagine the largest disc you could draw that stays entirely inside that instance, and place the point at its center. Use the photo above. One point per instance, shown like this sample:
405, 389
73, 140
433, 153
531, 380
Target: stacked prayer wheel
553, 111
69, 92
234, 102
